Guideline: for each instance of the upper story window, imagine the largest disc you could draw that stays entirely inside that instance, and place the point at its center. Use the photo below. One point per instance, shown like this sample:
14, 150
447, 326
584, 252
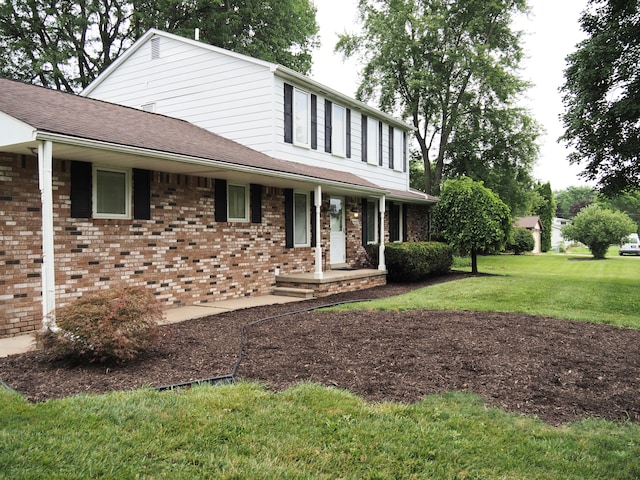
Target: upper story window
111, 192
237, 203
398, 150
149, 107
339, 130
373, 141
301, 118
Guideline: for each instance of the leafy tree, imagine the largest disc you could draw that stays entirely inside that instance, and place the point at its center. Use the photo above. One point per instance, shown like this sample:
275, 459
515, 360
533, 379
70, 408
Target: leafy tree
65, 45
602, 96
627, 202
472, 218
546, 210
497, 147
573, 199
435, 62
598, 228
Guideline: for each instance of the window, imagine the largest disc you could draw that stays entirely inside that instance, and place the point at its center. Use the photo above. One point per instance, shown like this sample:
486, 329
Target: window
237, 203
339, 130
301, 118
373, 140
301, 219
372, 222
396, 223
111, 192
398, 149
149, 107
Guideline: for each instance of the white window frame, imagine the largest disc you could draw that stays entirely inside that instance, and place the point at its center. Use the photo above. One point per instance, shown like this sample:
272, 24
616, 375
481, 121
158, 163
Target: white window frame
398, 150
127, 194
372, 204
338, 132
244, 218
373, 141
304, 123
307, 212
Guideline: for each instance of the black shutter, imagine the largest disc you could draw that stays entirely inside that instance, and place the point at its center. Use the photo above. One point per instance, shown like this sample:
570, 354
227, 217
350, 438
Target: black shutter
380, 143
288, 217
256, 203
404, 222
404, 151
390, 146
314, 122
394, 234
288, 113
313, 219
220, 198
81, 185
348, 133
141, 194
365, 222
327, 125
363, 127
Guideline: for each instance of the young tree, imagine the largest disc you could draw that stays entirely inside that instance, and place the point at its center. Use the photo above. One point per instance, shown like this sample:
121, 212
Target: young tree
472, 218
602, 94
546, 210
66, 44
598, 228
435, 62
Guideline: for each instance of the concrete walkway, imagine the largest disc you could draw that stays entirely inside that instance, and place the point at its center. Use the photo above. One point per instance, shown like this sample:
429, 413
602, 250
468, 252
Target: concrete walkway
26, 342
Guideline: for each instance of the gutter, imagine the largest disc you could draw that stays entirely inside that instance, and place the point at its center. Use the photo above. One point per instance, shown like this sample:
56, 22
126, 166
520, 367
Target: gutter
209, 164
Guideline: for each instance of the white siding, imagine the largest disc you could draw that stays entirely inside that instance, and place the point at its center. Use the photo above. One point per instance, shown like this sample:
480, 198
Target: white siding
226, 95
235, 98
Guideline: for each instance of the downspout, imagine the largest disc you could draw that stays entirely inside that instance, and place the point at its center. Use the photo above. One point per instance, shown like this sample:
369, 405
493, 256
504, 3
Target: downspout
318, 253
381, 263
45, 177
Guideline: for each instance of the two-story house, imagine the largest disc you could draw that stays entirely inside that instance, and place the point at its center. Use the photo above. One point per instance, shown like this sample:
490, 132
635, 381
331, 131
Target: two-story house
202, 175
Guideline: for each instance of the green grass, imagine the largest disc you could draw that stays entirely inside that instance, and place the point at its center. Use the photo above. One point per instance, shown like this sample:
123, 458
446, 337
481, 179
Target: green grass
243, 431
560, 286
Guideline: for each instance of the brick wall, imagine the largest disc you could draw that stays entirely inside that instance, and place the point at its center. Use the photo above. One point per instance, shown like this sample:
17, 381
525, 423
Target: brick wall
182, 254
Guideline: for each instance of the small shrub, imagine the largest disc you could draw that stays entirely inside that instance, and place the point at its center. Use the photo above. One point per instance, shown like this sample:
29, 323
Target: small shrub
115, 325
521, 242
414, 261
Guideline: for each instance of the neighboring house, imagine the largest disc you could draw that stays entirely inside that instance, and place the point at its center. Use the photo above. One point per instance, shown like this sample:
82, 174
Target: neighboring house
95, 195
557, 240
534, 225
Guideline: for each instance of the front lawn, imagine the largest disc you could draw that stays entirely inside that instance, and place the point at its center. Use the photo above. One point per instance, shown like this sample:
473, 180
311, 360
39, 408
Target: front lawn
243, 431
559, 286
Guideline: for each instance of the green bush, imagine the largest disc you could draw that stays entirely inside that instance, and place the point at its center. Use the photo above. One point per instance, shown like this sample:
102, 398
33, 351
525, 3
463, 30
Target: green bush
114, 325
414, 261
522, 241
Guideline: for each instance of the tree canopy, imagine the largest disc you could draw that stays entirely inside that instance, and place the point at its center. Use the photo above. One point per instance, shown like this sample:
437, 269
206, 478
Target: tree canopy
601, 95
65, 45
598, 228
472, 218
445, 65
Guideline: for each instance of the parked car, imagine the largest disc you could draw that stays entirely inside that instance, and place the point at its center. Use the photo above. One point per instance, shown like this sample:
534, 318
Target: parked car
632, 247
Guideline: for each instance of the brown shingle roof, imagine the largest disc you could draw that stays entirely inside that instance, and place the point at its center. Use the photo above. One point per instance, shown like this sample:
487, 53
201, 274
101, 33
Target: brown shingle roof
74, 116
529, 222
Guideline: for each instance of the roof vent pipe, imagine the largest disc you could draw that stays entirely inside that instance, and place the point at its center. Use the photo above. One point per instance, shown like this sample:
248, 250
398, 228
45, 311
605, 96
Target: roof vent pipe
197, 34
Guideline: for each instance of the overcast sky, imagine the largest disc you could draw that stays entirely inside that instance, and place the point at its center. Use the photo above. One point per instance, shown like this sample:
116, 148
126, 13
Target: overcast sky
552, 31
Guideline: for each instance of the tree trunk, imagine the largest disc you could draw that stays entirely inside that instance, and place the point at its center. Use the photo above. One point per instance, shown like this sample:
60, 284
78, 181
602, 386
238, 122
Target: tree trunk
474, 261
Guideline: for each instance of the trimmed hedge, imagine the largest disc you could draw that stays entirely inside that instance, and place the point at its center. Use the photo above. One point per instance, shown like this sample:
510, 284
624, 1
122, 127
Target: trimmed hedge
522, 241
414, 261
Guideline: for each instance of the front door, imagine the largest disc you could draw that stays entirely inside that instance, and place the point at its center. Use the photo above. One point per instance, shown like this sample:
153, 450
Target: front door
338, 239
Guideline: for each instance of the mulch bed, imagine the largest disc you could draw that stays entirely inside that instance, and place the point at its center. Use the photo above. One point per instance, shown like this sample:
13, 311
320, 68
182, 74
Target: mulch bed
559, 370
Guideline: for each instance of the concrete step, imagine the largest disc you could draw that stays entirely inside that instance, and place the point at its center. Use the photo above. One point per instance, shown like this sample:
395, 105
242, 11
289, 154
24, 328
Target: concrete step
293, 292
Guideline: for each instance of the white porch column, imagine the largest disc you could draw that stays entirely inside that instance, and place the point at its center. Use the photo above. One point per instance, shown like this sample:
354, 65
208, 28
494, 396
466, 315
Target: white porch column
381, 260
317, 197
45, 177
